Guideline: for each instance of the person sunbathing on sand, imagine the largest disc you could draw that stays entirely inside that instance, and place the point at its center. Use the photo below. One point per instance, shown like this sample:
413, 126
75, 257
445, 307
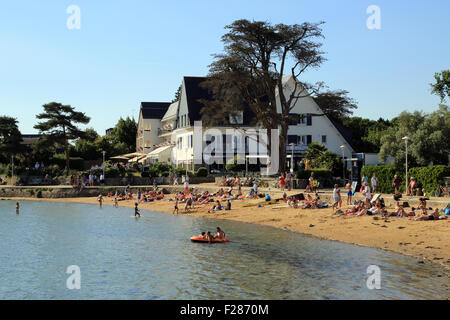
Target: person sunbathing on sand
425, 216
398, 212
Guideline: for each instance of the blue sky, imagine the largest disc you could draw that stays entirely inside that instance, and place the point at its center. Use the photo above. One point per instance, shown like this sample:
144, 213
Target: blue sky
131, 51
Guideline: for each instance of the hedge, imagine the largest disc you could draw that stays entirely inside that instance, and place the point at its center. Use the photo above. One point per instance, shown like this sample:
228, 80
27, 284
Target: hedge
427, 178
318, 174
385, 176
74, 162
202, 172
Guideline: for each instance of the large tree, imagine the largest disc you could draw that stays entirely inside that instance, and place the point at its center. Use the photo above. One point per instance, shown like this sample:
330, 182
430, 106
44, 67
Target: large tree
337, 105
366, 133
60, 127
429, 138
441, 87
125, 133
257, 56
10, 138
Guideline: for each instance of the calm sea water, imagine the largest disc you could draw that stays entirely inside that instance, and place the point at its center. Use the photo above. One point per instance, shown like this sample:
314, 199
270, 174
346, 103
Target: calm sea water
121, 257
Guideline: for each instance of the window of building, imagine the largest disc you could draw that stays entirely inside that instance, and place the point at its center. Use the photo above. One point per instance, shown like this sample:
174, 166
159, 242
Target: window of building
304, 140
324, 139
302, 119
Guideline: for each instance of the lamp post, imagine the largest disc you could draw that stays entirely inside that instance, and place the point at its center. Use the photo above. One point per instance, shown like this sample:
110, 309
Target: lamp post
343, 162
406, 138
292, 157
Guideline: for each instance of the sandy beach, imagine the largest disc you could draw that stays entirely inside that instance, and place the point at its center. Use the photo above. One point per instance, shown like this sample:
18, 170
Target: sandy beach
425, 240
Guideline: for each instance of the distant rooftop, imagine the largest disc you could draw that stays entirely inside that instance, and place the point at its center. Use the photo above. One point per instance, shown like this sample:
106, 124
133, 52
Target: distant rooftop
154, 110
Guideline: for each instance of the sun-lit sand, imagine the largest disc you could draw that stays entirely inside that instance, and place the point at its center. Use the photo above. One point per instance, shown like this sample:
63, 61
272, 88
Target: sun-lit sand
427, 240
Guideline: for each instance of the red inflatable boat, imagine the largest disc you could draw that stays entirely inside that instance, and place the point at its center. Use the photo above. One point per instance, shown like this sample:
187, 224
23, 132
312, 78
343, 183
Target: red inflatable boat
200, 239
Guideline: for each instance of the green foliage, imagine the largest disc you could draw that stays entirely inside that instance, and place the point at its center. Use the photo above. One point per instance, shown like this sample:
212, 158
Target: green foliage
77, 163
177, 95
86, 150
124, 133
112, 172
321, 158
337, 105
233, 166
385, 175
366, 133
179, 171
202, 172
429, 138
59, 126
318, 174
429, 178
442, 85
10, 139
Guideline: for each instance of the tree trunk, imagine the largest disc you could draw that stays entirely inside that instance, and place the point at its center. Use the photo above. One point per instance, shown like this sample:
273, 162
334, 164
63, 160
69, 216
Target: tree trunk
66, 149
283, 138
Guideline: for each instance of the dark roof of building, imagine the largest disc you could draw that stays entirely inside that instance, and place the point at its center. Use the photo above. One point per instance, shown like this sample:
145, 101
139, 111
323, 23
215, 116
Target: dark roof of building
154, 110
345, 132
195, 92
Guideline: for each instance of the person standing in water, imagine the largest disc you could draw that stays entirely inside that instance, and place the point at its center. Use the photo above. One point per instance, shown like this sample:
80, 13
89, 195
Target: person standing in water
17, 208
136, 210
175, 206
100, 200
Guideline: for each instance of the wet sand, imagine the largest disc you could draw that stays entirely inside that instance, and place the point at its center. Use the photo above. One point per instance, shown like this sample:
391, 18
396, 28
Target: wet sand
425, 240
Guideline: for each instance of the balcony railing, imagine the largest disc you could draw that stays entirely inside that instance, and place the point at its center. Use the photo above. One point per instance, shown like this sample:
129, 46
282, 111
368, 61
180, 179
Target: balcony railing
162, 131
297, 148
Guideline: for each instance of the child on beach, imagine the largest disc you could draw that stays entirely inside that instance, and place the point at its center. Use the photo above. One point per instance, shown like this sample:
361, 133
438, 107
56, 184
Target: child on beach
348, 187
282, 182
337, 197
116, 203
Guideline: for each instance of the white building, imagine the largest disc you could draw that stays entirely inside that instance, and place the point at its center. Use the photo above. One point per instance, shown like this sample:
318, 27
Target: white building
149, 123
165, 130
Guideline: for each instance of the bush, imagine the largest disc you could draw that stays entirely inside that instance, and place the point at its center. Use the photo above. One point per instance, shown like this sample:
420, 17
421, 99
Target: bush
429, 178
75, 162
202, 172
233, 166
145, 174
112, 172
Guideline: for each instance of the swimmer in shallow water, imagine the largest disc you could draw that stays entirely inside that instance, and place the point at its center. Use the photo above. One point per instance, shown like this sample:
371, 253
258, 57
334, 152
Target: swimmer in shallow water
17, 208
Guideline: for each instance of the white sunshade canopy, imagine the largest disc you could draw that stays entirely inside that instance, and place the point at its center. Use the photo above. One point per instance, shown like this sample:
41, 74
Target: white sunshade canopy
155, 154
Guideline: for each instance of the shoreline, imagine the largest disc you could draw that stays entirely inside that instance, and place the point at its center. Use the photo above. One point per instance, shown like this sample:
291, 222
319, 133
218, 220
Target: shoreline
423, 240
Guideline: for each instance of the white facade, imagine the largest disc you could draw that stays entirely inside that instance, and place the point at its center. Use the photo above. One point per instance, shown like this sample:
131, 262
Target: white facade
147, 134
321, 129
